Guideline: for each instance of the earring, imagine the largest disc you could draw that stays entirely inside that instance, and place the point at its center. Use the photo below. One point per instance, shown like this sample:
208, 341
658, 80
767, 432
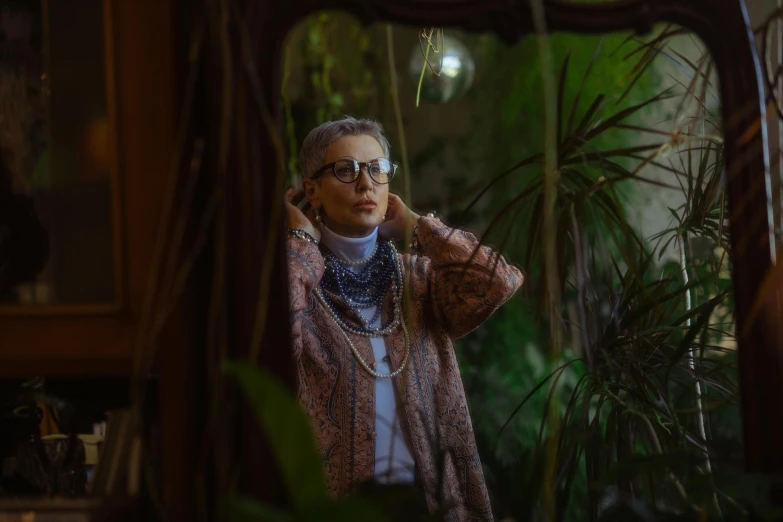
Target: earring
318, 218
384, 217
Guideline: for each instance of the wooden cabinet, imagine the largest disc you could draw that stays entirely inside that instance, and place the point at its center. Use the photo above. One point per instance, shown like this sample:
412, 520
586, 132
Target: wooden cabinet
74, 338
97, 336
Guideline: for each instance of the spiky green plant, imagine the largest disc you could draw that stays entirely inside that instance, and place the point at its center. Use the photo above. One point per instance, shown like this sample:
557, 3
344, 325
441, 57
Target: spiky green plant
656, 356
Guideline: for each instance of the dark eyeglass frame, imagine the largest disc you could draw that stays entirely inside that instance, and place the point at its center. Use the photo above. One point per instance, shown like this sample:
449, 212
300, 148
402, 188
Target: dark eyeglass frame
358, 167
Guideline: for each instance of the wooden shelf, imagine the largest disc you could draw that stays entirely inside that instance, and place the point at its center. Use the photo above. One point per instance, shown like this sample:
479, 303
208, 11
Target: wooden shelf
68, 509
61, 366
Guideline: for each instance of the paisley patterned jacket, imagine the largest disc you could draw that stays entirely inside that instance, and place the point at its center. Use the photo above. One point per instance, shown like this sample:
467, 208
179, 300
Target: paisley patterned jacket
451, 288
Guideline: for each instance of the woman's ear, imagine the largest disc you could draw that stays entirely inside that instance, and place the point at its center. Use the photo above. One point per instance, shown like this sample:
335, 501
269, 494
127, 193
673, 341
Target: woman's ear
312, 192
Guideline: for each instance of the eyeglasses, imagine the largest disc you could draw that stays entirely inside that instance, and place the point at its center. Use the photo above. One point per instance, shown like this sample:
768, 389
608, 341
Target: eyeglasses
348, 170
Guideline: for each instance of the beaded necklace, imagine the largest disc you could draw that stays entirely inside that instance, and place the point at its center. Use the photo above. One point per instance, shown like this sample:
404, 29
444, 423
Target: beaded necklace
363, 290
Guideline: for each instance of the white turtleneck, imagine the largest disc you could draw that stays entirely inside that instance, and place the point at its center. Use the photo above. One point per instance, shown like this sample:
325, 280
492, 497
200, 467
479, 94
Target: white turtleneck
393, 459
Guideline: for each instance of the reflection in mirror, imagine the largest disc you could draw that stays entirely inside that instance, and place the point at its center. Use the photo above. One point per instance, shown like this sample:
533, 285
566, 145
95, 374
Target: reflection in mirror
608, 384
56, 220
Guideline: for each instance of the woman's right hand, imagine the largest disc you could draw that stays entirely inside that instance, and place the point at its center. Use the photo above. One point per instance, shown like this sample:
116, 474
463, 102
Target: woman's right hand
295, 217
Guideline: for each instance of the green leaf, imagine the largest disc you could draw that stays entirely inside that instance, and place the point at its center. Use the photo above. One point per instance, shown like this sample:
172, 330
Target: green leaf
575, 105
353, 509
623, 114
314, 37
337, 100
315, 79
330, 60
560, 96
675, 214
288, 430
395, 501
558, 372
237, 508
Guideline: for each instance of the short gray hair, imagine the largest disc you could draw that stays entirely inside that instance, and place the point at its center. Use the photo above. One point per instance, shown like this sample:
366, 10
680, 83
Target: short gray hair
315, 145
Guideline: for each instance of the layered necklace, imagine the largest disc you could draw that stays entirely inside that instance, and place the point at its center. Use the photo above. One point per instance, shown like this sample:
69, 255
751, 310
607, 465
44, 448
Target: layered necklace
363, 289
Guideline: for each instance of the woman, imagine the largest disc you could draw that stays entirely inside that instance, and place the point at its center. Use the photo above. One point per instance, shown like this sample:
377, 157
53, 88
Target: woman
382, 388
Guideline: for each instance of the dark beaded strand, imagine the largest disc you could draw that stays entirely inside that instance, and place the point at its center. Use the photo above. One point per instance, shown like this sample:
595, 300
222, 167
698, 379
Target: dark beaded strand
363, 289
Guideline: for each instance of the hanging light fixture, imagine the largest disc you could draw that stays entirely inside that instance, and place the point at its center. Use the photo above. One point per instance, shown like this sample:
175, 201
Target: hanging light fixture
450, 71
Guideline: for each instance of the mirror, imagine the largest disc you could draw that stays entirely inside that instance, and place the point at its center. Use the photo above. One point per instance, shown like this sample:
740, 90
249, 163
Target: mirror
617, 395
59, 241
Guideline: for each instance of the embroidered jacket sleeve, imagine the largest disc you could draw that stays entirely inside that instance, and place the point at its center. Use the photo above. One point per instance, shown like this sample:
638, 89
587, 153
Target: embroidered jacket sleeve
305, 269
465, 285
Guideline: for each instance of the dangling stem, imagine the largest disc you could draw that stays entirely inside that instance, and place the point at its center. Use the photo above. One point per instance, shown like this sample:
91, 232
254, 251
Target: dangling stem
406, 182
421, 76
700, 420
549, 247
690, 355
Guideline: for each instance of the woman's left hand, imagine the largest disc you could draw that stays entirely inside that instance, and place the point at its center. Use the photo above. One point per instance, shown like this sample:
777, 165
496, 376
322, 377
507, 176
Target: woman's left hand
399, 219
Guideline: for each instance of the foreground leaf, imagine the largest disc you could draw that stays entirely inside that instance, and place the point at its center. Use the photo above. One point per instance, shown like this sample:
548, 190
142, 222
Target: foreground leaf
238, 508
288, 431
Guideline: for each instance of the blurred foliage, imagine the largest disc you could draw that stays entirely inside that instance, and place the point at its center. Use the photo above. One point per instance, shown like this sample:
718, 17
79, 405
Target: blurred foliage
343, 70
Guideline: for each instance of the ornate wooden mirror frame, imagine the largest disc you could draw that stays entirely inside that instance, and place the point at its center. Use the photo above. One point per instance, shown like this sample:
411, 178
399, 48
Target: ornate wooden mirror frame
724, 27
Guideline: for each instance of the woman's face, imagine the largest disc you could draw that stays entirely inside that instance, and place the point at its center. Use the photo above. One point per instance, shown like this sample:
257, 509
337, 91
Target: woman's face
350, 209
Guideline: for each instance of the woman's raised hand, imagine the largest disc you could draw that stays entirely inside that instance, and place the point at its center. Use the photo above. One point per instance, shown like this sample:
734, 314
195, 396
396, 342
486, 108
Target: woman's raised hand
295, 217
399, 218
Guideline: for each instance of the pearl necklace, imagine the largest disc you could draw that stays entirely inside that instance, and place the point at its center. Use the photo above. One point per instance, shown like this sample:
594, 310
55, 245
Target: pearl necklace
398, 293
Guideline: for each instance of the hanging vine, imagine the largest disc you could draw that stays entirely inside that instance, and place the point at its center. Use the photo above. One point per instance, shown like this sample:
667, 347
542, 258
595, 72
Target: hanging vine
426, 35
